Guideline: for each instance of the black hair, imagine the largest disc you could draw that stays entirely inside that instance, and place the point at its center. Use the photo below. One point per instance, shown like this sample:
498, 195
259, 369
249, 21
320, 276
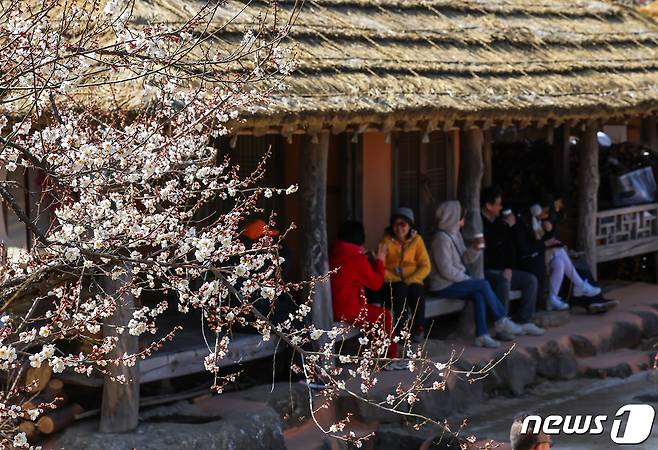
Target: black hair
352, 231
489, 195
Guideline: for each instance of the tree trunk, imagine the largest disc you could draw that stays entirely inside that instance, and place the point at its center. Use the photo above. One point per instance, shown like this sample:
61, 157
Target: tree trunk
588, 181
313, 225
120, 405
470, 183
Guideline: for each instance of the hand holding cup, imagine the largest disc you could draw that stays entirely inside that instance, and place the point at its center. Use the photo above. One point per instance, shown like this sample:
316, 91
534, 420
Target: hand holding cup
478, 241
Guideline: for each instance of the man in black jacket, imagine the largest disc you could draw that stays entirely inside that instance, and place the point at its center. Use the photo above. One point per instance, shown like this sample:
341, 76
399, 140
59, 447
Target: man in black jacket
500, 261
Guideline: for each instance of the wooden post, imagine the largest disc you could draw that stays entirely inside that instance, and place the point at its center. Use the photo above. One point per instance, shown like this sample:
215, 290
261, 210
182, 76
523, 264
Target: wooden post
470, 182
650, 139
562, 160
650, 133
487, 176
313, 224
588, 181
120, 405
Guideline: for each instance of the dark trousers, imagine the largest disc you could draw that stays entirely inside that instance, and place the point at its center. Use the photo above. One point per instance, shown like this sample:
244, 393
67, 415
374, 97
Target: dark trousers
405, 299
536, 266
523, 281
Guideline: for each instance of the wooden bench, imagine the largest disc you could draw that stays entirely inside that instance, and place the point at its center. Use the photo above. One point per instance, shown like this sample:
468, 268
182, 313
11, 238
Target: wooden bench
434, 307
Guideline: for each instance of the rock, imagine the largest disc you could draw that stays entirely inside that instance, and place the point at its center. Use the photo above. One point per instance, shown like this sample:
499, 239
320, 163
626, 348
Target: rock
259, 429
649, 344
551, 319
458, 395
493, 383
622, 370
649, 324
290, 400
399, 438
625, 335
554, 362
582, 347
516, 370
406, 438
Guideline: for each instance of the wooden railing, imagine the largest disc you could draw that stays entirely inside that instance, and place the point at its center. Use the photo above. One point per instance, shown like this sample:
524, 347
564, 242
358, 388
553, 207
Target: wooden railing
626, 232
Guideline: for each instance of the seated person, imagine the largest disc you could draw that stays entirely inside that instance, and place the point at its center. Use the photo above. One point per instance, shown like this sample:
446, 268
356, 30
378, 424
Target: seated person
354, 274
500, 260
449, 276
279, 310
407, 265
557, 261
556, 215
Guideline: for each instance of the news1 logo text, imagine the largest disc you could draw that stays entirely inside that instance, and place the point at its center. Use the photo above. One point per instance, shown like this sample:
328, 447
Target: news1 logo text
638, 421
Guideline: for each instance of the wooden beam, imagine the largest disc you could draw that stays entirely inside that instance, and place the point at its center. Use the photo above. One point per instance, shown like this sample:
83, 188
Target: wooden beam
588, 181
120, 404
313, 224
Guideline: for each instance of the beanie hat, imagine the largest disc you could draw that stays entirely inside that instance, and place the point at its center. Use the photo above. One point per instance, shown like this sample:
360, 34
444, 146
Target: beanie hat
405, 212
536, 209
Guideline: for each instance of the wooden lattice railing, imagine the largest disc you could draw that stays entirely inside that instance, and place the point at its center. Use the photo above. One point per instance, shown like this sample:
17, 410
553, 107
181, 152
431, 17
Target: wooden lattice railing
626, 232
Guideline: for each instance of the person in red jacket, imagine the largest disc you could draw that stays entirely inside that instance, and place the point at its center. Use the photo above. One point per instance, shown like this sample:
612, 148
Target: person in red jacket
356, 272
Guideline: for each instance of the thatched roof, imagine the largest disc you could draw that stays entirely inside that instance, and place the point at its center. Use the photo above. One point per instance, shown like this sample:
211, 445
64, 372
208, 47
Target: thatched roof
449, 60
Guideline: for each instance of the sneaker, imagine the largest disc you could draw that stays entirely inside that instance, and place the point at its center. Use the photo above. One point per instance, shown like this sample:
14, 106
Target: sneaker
586, 290
602, 307
555, 303
505, 324
397, 365
532, 330
504, 336
486, 341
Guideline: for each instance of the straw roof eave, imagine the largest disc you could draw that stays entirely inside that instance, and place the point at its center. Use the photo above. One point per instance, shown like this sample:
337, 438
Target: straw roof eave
376, 61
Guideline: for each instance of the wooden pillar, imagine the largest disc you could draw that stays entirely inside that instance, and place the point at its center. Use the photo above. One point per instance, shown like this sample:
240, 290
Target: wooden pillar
562, 160
588, 181
120, 405
452, 138
313, 224
487, 177
650, 133
471, 169
470, 183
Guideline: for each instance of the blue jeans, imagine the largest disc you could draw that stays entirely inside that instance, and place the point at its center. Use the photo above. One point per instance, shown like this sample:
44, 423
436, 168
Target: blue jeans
482, 296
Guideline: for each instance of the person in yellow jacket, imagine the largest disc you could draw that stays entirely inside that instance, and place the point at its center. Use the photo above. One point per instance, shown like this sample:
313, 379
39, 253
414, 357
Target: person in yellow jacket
407, 264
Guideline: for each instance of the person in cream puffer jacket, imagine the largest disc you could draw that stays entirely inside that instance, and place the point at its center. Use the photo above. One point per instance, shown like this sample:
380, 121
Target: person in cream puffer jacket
449, 276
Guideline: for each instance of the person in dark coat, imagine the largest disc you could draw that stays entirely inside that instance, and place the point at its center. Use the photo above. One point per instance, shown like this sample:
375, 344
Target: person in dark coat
500, 266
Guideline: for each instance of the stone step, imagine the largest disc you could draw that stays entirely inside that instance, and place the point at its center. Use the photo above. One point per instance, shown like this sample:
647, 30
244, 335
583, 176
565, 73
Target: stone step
620, 364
